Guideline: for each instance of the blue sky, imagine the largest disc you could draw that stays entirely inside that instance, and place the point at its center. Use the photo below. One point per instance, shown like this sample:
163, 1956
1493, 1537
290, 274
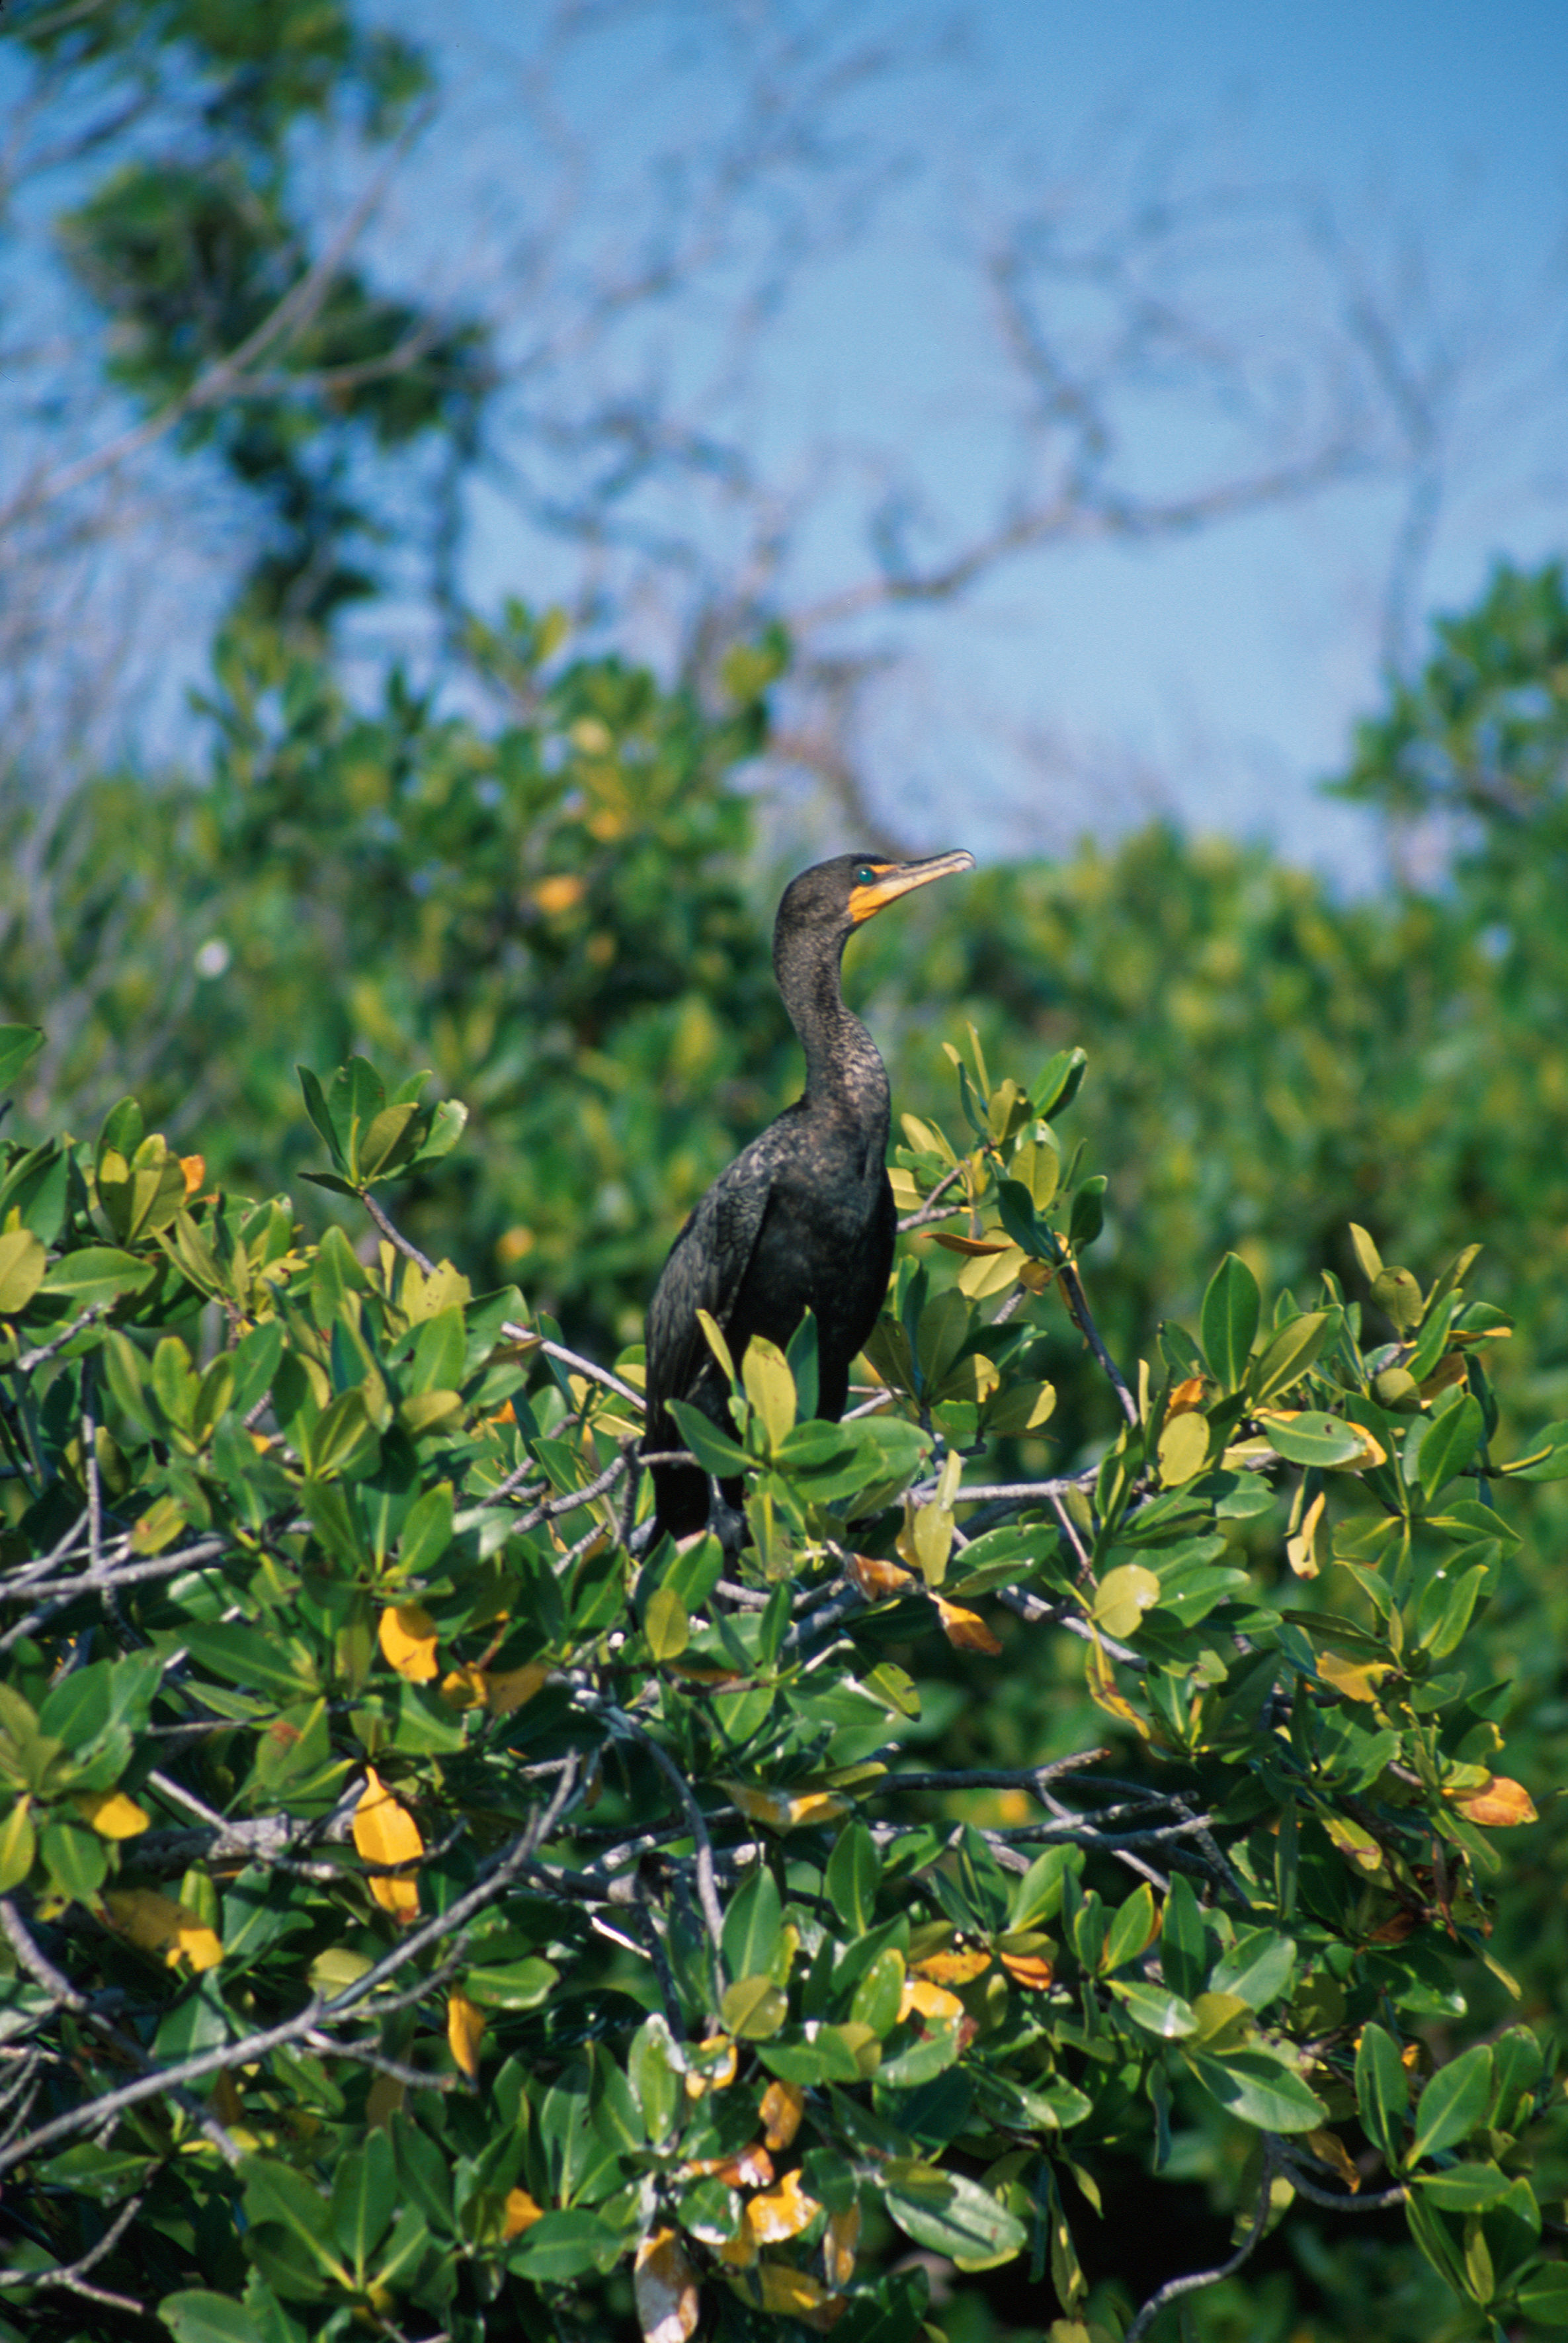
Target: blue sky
1216, 677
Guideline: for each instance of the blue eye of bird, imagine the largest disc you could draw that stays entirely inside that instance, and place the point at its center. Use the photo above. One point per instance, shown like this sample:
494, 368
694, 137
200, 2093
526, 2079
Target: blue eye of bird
865, 876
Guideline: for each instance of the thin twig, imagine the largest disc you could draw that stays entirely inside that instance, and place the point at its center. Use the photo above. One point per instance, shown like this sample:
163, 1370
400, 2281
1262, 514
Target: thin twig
70, 2278
928, 1211
78, 1325
1077, 1307
1173, 2288
527, 1339
627, 1728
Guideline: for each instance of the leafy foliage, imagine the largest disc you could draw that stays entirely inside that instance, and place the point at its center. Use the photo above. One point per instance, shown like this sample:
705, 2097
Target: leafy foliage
425, 1900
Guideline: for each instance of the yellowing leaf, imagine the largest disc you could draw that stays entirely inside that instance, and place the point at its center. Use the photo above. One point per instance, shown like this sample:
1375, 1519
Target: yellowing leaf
782, 1813
878, 1582
782, 2213
1122, 1597
960, 1967
839, 2246
795, 2293
1499, 1804
965, 1630
194, 1168
1185, 1396
156, 1924
1301, 1550
464, 2031
711, 2066
1330, 2149
386, 1832
520, 2213
507, 1689
1101, 1678
665, 2289
1350, 1679
464, 1688
1183, 1441
111, 1814
384, 2100
407, 1635
1032, 1970
561, 891
783, 2105
930, 2000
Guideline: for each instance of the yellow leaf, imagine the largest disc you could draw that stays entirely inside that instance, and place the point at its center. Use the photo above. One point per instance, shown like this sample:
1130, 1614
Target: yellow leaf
194, 1167
782, 2213
929, 2000
793, 2294
839, 2246
960, 1967
386, 1832
1330, 2149
520, 2213
510, 1688
1350, 1679
1122, 1597
1184, 1440
1499, 1804
880, 1582
156, 1924
783, 2105
770, 1386
1030, 1969
782, 1813
1101, 1679
407, 1638
111, 1814
464, 2031
1301, 1550
664, 2289
965, 1630
711, 2066
464, 1688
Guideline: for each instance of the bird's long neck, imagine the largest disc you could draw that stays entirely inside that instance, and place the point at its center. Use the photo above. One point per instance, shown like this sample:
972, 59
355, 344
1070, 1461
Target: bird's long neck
844, 1070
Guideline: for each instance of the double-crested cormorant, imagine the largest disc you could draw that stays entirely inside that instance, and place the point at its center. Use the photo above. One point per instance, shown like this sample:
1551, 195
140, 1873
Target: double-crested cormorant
804, 1219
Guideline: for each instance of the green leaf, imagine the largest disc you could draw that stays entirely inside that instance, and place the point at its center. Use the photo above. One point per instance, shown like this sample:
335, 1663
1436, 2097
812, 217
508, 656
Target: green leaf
364, 2195
1258, 1968
948, 2214
276, 2193
1464, 2187
1133, 1928
854, 1870
1297, 1345
1312, 1438
565, 2245
1545, 1459
717, 1454
511, 1984
95, 1273
1452, 2102
195, 2316
667, 1625
1122, 1596
1087, 1216
770, 1388
426, 1531
1451, 1441
320, 1114
753, 2007
1398, 1296
1057, 1084
1382, 2091
1231, 1307
752, 1924
1261, 2089
1151, 2007
1543, 2296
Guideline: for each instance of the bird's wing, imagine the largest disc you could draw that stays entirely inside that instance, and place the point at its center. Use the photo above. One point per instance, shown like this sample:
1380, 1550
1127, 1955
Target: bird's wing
706, 1269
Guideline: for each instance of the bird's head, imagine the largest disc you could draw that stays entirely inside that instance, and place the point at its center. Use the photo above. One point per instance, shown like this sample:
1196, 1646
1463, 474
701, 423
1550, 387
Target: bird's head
840, 896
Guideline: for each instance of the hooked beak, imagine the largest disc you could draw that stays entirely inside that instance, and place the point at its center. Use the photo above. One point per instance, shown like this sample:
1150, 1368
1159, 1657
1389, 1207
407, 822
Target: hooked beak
893, 880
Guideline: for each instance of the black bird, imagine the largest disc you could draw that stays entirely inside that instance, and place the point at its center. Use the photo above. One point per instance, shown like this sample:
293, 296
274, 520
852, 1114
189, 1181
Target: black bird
804, 1219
